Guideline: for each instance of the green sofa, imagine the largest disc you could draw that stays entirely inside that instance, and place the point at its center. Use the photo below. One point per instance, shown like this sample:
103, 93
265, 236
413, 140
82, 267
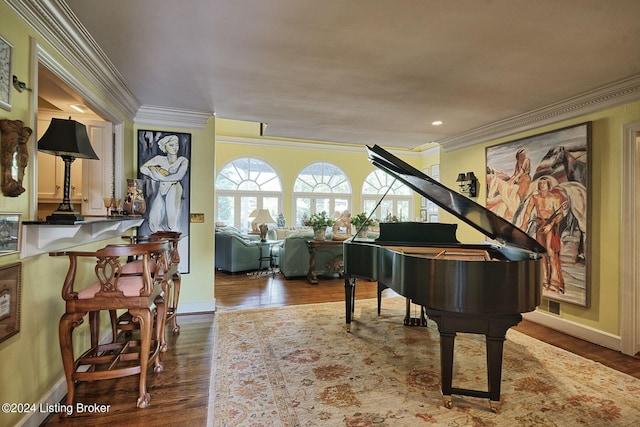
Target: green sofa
236, 252
293, 257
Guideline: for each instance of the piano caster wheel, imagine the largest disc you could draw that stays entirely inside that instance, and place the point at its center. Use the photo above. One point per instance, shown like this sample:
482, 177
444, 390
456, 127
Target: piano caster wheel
447, 402
495, 406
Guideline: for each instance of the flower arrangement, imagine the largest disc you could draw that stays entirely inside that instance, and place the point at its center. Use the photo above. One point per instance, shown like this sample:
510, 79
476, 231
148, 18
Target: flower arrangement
392, 218
362, 220
317, 220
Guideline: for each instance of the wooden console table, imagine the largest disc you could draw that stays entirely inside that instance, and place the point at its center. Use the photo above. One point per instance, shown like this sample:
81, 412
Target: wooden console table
312, 245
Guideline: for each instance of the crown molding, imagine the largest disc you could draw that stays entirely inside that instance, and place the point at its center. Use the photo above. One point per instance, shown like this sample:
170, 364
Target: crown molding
171, 117
57, 24
608, 96
310, 145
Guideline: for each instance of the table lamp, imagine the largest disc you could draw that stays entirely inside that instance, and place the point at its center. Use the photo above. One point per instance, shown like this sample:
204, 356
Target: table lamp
263, 218
252, 216
69, 140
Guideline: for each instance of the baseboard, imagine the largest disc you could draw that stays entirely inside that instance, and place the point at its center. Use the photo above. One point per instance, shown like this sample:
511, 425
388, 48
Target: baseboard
52, 397
197, 307
57, 393
575, 329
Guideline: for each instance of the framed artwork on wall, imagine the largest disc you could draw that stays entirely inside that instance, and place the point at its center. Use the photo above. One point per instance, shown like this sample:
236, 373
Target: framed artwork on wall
541, 185
10, 233
164, 169
10, 282
6, 76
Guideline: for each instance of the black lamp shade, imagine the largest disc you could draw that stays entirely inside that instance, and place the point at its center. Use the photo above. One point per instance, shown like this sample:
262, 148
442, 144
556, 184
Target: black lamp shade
461, 178
67, 138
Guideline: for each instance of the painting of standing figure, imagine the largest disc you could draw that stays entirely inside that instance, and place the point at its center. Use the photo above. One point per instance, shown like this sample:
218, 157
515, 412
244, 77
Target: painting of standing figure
164, 168
541, 185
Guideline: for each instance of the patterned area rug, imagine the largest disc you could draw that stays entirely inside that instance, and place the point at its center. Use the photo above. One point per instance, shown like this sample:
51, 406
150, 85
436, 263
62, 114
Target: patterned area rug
297, 366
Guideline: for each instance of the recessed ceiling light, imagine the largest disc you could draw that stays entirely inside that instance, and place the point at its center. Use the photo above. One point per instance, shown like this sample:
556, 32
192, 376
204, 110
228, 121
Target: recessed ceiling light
79, 108
437, 122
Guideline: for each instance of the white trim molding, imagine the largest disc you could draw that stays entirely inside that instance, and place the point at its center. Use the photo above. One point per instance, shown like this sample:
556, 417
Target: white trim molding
171, 117
577, 330
312, 145
57, 24
608, 96
629, 235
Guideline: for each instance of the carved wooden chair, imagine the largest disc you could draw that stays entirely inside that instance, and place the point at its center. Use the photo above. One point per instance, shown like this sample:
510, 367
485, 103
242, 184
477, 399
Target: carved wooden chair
172, 294
140, 295
171, 280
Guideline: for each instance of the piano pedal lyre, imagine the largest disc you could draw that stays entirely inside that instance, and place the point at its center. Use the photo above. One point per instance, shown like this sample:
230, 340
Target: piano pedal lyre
415, 321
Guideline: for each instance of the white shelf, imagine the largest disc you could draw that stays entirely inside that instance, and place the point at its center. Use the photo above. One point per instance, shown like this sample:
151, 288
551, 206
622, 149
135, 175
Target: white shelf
40, 238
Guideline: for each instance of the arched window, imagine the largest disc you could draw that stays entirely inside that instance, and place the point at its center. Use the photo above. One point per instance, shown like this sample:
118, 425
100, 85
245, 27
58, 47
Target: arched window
397, 203
244, 185
321, 187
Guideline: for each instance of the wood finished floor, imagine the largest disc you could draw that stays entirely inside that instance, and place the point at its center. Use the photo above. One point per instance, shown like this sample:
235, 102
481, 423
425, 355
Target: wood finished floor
180, 395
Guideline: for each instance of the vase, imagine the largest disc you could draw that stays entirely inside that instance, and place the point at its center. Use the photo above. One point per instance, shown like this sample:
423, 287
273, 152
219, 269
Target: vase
134, 203
319, 233
363, 232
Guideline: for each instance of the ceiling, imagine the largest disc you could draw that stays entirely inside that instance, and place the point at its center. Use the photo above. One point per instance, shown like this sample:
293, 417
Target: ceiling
55, 96
365, 71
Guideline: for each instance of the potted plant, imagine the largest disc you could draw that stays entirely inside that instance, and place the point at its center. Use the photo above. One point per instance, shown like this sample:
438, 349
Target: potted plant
362, 222
319, 222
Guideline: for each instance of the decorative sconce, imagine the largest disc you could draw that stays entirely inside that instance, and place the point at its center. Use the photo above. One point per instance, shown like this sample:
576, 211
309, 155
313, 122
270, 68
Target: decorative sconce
468, 184
20, 86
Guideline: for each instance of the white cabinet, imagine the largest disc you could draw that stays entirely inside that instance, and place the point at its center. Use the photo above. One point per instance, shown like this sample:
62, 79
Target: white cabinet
97, 174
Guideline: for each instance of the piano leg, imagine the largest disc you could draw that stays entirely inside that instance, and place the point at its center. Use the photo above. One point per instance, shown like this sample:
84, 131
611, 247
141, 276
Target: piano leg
349, 299
447, 343
494, 327
381, 288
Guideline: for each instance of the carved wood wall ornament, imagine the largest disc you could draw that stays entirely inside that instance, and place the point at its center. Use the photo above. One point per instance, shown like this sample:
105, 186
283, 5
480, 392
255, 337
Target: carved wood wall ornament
14, 155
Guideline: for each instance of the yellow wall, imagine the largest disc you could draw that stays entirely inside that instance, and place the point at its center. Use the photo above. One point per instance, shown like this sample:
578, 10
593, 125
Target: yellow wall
30, 360
197, 286
605, 199
289, 157
31, 364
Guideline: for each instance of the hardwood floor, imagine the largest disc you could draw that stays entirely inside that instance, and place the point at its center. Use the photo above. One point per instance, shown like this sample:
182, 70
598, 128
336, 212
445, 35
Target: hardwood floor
180, 395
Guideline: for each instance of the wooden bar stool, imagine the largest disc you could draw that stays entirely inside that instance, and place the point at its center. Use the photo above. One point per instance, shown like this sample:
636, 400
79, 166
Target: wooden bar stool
140, 295
172, 295
170, 278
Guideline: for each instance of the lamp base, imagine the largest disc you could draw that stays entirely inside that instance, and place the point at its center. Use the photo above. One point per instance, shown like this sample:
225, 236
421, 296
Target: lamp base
64, 218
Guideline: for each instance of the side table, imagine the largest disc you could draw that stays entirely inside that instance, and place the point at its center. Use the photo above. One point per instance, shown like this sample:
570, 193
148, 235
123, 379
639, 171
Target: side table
266, 255
312, 245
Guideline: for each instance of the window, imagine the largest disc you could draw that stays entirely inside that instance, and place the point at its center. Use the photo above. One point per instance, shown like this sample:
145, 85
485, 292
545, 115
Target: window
429, 210
243, 185
320, 187
398, 201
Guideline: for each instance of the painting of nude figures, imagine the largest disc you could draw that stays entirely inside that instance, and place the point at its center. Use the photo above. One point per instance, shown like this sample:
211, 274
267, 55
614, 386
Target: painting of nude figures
541, 185
163, 168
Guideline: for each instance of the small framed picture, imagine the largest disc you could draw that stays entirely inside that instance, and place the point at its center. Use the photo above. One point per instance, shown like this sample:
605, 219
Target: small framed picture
6, 58
10, 281
10, 233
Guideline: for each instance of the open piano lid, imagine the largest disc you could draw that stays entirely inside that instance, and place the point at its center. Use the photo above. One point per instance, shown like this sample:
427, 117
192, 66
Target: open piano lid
477, 216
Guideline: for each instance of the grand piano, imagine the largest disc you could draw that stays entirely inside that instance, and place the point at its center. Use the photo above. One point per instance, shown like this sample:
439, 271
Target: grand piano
469, 288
